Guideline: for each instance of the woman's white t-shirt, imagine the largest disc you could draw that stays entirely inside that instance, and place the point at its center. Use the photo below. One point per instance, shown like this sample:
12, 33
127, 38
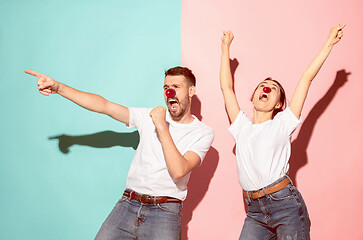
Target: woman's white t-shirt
263, 150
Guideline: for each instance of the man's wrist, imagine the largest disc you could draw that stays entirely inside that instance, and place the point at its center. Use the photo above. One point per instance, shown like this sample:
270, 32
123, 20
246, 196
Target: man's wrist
59, 88
161, 127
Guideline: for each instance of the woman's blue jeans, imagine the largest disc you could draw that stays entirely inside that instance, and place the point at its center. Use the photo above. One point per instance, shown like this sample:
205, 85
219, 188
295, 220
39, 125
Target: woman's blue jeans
131, 219
281, 215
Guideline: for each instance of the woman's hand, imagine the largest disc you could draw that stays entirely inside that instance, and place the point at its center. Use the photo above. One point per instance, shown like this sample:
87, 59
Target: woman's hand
227, 39
336, 33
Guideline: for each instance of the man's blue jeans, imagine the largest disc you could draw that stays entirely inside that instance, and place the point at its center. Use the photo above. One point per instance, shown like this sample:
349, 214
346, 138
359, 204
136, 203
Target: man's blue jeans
131, 219
281, 215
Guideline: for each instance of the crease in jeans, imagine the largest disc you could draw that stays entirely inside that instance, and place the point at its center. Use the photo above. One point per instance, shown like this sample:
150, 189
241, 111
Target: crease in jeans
264, 209
139, 219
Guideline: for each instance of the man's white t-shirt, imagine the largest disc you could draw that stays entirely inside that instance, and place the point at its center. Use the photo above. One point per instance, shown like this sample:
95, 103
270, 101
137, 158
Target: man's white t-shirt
263, 150
148, 172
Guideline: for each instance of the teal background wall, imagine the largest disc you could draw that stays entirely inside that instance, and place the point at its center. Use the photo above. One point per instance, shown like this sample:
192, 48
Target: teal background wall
118, 49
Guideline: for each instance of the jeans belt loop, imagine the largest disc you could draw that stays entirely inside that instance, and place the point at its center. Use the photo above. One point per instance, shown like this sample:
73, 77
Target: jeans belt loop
248, 198
130, 197
289, 179
259, 193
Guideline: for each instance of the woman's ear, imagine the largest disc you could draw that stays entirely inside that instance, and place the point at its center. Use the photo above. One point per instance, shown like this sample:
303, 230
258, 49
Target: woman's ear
278, 106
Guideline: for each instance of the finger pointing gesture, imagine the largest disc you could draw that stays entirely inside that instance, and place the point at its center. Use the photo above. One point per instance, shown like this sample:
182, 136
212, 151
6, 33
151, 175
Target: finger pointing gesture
46, 85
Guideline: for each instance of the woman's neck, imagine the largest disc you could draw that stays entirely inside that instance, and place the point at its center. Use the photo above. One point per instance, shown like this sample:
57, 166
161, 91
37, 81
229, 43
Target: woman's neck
260, 117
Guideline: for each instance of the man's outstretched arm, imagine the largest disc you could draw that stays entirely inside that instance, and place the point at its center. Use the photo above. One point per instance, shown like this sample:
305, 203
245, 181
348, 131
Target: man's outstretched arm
89, 101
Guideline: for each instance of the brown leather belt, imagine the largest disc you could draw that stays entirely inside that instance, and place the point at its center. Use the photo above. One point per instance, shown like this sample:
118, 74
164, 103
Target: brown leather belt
274, 188
149, 199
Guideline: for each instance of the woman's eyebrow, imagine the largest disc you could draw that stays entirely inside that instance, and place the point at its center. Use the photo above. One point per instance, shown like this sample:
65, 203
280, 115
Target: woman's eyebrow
272, 84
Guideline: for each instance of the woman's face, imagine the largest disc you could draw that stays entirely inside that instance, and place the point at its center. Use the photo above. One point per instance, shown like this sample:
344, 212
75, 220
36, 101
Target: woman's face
266, 97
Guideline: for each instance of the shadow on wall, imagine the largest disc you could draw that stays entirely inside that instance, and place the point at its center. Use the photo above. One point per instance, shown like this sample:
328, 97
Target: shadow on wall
199, 180
105, 139
299, 157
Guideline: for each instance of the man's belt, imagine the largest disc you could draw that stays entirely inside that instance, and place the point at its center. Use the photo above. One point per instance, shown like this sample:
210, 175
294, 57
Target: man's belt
143, 198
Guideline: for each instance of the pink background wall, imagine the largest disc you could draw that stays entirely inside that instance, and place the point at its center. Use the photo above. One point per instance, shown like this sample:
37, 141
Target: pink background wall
279, 39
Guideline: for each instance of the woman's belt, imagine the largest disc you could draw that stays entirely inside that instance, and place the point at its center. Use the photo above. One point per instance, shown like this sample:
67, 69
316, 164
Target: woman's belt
272, 189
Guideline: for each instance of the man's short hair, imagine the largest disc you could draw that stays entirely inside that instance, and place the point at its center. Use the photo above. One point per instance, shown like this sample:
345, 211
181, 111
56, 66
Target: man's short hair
186, 72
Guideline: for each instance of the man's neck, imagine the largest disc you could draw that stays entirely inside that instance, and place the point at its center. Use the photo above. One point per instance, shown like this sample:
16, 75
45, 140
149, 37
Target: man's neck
187, 118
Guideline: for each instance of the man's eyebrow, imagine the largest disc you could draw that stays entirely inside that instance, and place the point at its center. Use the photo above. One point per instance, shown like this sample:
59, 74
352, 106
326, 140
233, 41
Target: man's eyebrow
173, 84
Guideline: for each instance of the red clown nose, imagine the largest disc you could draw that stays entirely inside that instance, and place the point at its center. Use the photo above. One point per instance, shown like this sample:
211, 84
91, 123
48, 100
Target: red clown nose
170, 93
266, 89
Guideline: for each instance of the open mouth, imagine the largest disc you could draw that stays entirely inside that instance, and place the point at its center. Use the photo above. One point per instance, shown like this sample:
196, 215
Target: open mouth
264, 96
173, 104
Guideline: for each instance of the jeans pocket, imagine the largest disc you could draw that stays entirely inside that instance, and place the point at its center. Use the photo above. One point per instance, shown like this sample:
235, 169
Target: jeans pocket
174, 208
283, 194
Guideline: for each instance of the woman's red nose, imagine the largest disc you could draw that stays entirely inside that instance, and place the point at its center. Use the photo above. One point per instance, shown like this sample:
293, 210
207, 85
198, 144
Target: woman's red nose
170, 93
266, 89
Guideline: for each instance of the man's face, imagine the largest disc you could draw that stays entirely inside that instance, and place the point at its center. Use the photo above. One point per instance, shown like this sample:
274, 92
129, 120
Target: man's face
178, 105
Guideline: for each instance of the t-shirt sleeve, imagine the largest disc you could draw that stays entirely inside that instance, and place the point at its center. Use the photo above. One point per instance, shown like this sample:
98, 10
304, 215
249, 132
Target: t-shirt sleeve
137, 116
240, 121
288, 121
202, 145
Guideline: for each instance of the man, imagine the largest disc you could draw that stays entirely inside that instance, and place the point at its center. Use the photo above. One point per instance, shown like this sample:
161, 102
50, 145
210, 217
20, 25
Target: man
171, 145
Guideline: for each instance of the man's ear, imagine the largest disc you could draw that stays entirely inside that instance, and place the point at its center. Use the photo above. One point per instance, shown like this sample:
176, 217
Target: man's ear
192, 90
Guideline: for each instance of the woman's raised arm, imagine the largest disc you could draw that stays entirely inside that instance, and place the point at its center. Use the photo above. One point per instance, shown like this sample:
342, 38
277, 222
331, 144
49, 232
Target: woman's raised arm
302, 88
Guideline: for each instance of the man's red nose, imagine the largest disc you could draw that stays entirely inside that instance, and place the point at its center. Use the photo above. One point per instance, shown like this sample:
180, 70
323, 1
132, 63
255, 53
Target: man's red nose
266, 89
170, 93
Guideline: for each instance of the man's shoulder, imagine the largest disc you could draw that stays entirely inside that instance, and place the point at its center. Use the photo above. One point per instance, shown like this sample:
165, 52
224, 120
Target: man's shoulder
204, 127
138, 116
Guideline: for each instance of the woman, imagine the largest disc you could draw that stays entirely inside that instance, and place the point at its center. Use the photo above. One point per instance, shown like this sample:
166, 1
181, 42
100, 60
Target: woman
275, 207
